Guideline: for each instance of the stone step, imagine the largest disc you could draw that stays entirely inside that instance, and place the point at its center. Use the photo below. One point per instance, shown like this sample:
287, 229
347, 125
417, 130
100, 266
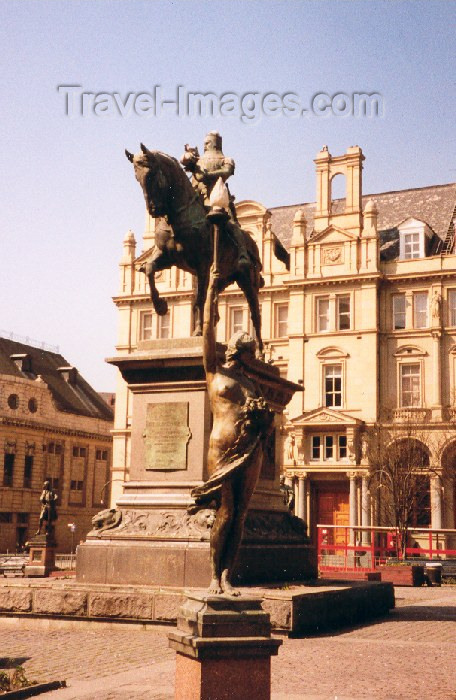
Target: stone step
296, 609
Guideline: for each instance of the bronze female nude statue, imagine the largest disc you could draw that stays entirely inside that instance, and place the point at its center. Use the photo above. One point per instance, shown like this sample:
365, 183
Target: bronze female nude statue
241, 423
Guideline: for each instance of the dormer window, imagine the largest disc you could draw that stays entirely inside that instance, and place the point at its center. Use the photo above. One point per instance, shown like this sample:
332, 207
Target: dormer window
23, 362
414, 236
412, 247
68, 374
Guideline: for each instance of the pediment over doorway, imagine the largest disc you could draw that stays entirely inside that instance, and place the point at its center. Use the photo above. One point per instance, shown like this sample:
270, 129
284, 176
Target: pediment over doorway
325, 416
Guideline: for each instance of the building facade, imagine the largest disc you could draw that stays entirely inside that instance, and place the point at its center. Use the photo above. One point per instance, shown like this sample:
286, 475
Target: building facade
364, 318
54, 426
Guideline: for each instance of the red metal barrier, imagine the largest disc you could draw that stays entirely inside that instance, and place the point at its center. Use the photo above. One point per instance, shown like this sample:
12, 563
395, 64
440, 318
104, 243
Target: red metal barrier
362, 549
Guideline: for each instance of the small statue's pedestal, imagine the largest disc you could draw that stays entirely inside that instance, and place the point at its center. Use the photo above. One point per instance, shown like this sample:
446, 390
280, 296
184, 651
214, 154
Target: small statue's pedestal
41, 556
224, 649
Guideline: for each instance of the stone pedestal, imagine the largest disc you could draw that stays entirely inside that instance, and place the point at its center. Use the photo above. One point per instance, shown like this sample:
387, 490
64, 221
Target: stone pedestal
41, 556
224, 649
156, 541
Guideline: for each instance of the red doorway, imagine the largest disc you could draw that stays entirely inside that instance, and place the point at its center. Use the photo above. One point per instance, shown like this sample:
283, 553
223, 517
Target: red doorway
332, 501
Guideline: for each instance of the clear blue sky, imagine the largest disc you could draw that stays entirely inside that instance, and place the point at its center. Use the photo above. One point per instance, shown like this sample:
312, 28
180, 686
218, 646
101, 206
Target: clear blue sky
68, 193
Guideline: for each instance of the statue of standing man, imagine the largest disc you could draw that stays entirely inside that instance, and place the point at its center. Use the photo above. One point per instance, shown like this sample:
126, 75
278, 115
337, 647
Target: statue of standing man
48, 513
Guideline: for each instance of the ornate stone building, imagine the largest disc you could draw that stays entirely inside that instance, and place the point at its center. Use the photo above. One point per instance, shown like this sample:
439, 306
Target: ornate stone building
54, 426
364, 319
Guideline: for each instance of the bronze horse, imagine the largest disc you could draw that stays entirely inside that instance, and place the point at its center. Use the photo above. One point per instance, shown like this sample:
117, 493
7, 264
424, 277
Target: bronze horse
187, 241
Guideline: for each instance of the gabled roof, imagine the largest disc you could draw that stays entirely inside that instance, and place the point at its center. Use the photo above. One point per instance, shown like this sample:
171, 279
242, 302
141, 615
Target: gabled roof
435, 205
79, 398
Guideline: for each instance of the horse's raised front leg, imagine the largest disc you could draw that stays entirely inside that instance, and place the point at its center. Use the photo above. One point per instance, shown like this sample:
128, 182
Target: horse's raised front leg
160, 305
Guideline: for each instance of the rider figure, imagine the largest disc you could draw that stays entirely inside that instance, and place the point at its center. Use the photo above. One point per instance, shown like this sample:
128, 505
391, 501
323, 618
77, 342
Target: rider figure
206, 170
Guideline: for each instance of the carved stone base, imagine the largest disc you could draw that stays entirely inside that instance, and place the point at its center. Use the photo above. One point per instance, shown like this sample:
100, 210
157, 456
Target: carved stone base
171, 548
174, 523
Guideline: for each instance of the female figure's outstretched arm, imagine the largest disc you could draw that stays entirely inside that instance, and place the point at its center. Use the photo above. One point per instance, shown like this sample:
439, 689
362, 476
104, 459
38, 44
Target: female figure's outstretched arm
209, 331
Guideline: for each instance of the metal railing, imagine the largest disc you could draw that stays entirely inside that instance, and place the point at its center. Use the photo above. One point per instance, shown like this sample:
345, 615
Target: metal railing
363, 549
63, 562
26, 340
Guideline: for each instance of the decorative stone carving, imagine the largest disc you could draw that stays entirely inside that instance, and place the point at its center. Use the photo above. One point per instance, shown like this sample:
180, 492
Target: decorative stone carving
10, 447
351, 444
277, 527
166, 524
364, 448
290, 448
436, 306
323, 418
105, 520
175, 524
333, 255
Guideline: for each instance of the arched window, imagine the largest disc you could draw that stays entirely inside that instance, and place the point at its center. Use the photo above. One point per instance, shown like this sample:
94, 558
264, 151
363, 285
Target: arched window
401, 480
449, 476
338, 193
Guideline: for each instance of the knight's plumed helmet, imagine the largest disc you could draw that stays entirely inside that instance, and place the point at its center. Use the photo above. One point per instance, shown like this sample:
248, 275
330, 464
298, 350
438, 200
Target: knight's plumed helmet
238, 343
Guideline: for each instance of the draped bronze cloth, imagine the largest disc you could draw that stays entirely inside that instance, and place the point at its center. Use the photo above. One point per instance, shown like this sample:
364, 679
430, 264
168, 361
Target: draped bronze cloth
253, 424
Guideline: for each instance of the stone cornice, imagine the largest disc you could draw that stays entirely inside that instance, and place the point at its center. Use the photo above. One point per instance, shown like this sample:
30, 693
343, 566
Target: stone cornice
412, 277
53, 429
145, 298
354, 278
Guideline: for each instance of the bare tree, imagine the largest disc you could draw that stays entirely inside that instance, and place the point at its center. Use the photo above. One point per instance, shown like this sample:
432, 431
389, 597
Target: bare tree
399, 476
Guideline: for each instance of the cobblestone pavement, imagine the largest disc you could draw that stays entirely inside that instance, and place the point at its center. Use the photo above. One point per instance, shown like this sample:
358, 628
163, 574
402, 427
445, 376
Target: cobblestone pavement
409, 655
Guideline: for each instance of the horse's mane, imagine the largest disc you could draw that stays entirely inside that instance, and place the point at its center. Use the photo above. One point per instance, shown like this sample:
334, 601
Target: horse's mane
174, 165
166, 157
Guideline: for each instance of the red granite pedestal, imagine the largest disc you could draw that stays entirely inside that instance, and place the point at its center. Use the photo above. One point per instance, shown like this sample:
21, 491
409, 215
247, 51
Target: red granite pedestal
224, 649
41, 556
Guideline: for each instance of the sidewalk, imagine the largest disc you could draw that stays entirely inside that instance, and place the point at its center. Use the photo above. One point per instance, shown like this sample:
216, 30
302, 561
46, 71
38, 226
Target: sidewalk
410, 655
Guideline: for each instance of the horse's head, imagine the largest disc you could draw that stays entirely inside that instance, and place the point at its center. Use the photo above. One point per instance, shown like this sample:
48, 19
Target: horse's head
152, 173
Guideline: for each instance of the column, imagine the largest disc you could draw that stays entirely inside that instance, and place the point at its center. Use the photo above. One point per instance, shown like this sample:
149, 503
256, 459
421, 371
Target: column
365, 509
301, 503
289, 482
296, 494
436, 503
352, 504
436, 374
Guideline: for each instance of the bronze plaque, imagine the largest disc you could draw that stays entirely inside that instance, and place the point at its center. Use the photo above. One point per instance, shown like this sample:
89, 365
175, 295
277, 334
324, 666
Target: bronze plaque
166, 436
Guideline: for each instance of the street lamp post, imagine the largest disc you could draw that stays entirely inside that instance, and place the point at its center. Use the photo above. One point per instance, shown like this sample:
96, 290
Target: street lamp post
72, 527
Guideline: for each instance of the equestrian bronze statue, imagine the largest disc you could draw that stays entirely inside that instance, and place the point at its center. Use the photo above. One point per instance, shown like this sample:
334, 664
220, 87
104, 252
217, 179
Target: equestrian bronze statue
184, 237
